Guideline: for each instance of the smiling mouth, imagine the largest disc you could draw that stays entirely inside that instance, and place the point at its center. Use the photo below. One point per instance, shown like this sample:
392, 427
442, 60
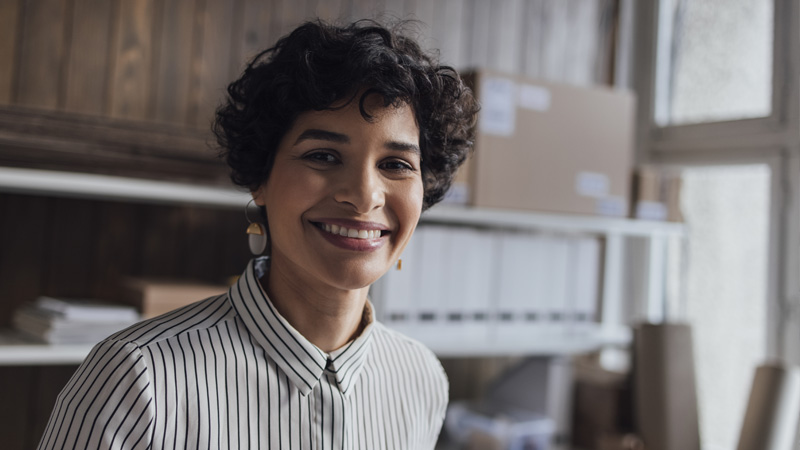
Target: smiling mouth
353, 233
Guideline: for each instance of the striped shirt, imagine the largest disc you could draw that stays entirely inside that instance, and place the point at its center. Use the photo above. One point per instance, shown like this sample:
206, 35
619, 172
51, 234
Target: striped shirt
230, 372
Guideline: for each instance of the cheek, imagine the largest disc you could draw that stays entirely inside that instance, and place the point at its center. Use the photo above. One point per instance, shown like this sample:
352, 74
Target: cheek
293, 189
410, 205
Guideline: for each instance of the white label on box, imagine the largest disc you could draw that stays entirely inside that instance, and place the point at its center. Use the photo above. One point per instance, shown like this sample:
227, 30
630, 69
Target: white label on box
533, 97
498, 113
592, 184
611, 206
648, 210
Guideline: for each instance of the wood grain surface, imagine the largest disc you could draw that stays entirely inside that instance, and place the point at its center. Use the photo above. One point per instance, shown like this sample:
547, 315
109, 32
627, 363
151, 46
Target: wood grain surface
9, 32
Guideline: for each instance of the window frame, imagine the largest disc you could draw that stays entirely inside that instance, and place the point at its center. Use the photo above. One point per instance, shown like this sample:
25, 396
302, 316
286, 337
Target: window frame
773, 140
780, 126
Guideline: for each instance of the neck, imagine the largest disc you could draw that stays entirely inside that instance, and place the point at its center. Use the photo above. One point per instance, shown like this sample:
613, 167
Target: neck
327, 318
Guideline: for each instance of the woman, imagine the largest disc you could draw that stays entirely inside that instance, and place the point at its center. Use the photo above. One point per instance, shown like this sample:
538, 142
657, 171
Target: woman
344, 135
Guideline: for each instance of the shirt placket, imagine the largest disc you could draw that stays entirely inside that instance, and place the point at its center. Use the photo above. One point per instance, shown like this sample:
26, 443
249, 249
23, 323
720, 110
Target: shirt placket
330, 413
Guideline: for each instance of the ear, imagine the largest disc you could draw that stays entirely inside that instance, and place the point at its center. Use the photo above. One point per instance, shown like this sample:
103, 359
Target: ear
258, 196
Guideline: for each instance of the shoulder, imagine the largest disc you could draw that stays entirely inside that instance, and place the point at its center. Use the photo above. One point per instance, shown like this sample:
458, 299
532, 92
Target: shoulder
111, 386
423, 372
201, 315
410, 353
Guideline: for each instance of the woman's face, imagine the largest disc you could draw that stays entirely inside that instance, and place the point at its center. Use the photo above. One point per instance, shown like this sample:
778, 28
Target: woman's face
344, 195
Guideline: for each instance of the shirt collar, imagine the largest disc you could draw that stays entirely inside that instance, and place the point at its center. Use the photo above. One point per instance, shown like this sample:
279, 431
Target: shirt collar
303, 362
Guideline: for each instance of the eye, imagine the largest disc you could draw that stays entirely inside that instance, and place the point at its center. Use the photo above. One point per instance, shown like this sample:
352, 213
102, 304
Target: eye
324, 157
397, 165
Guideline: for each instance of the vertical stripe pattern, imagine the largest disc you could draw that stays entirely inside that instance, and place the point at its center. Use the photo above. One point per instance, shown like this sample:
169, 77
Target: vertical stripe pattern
229, 372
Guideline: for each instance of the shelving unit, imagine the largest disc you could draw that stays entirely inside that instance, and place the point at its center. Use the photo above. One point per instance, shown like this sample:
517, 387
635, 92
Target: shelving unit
14, 350
104, 187
646, 261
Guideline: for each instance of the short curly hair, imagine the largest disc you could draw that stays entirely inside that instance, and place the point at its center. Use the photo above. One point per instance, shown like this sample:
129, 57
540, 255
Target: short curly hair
318, 65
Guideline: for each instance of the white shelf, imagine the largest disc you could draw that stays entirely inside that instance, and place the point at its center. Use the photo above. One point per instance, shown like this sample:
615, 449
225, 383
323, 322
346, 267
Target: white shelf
533, 345
490, 217
15, 350
104, 187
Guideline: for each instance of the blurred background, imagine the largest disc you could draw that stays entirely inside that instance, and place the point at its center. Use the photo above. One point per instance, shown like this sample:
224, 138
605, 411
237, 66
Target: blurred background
674, 123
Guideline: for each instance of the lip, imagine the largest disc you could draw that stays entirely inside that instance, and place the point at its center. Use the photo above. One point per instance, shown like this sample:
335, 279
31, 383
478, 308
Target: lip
353, 244
358, 225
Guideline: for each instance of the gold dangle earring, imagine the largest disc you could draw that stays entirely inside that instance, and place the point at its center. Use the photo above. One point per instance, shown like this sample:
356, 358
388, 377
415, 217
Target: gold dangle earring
399, 264
256, 232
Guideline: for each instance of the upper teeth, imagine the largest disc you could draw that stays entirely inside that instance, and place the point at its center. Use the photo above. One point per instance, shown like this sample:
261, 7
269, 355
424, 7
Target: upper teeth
351, 232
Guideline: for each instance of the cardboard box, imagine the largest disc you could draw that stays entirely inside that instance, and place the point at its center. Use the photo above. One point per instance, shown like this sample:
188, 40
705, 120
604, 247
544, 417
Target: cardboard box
154, 297
656, 194
602, 404
544, 146
664, 387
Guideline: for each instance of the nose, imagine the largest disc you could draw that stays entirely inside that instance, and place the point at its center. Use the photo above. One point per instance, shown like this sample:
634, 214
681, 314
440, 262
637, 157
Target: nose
361, 188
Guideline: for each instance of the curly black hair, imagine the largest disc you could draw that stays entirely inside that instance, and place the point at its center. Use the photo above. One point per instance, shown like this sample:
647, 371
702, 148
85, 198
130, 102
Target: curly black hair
318, 65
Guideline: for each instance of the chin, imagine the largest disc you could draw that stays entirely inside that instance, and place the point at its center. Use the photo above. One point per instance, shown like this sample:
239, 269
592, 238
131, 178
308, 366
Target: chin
353, 278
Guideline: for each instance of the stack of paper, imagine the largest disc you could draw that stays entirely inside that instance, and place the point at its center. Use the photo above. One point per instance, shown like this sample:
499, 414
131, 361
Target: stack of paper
72, 321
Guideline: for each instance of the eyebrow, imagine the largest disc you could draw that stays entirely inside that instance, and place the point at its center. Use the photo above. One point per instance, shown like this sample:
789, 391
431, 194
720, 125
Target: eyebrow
339, 138
403, 147
322, 135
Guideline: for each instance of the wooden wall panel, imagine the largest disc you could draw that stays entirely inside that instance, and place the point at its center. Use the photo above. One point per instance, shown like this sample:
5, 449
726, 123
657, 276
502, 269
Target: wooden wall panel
48, 382
173, 69
331, 11
448, 33
117, 248
31, 391
237, 51
71, 239
292, 13
23, 243
234, 250
395, 10
170, 61
608, 23
582, 48
506, 37
478, 38
160, 245
366, 9
533, 38
81, 248
41, 62
17, 386
9, 29
555, 39
258, 29
198, 246
132, 65
213, 64
88, 57
422, 11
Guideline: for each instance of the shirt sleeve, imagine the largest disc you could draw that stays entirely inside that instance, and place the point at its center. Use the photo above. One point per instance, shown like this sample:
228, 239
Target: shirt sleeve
107, 404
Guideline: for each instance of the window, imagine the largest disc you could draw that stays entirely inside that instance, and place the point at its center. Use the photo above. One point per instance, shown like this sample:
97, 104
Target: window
715, 62
717, 81
727, 211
